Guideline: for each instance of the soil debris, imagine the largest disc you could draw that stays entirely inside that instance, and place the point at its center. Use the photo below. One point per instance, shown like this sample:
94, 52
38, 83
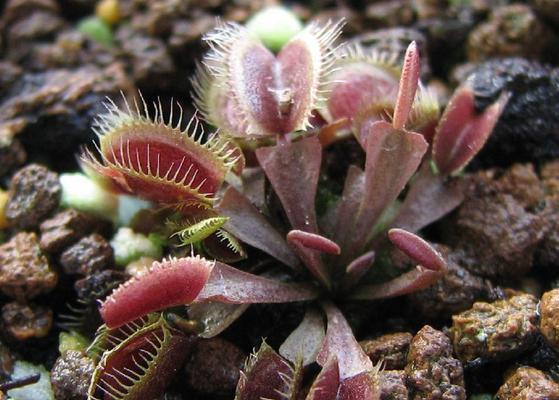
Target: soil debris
90, 254
495, 331
22, 322
34, 194
71, 374
213, 367
390, 349
527, 383
431, 372
24, 271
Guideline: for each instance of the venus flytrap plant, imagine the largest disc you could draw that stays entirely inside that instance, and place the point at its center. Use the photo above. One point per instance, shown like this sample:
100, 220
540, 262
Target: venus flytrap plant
139, 360
253, 94
156, 160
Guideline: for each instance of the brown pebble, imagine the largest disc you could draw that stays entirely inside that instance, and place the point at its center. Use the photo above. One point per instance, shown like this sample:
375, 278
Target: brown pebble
549, 317
214, 367
495, 331
390, 349
66, 228
24, 271
98, 284
456, 291
547, 253
512, 30
431, 372
26, 321
527, 383
497, 235
70, 375
34, 193
90, 254
393, 385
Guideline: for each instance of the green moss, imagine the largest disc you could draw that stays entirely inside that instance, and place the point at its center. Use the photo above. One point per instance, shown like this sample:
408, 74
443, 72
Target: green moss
72, 341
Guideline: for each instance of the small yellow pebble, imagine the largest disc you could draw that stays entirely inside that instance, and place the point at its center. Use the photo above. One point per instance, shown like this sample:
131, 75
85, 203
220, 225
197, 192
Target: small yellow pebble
3, 202
108, 11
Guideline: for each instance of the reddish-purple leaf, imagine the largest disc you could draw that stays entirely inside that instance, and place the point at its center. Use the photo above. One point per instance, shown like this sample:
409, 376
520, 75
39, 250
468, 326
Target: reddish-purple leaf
313, 241
359, 80
357, 269
340, 343
230, 285
305, 341
293, 169
365, 386
268, 376
417, 249
352, 196
275, 95
462, 132
215, 317
409, 282
170, 283
431, 267
303, 62
223, 246
326, 384
392, 158
250, 226
216, 103
145, 155
429, 198
408, 86
141, 366
312, 260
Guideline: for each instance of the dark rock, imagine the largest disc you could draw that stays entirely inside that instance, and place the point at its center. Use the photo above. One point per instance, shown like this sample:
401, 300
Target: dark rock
152, 65
12, 155
393, 385
388, 13
9, 74
34, 194
547, 253
390, 349
549, 317
70, 376
497, 236
520, 181
98, 285
214, 367
24, 271
71, 49
52, 112
512, 30
90, 254
527, 383
432, 373
66, 228
547, 8
456, 291
528, 129
495, 331
25, 22
25, 321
